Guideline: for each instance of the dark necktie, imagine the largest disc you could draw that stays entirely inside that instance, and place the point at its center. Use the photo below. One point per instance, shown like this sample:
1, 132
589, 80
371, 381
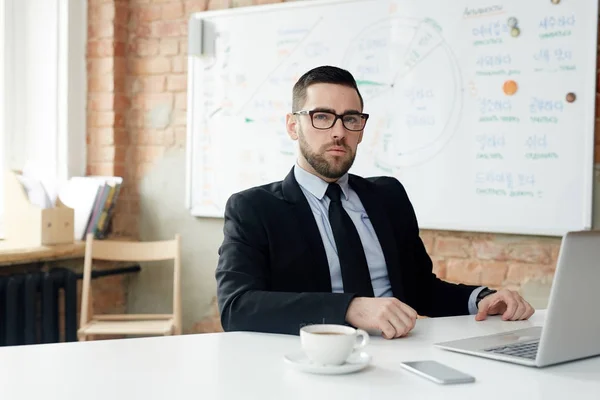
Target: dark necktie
353, 263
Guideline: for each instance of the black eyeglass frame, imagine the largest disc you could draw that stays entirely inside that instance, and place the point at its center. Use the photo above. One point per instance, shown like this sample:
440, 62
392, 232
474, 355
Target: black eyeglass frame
337, 116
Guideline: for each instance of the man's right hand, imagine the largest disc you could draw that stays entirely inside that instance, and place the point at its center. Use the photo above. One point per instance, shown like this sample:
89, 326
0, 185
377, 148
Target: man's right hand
389, 315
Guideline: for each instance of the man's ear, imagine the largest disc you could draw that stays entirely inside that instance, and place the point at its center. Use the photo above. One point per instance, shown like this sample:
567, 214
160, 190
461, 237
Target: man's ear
291, 126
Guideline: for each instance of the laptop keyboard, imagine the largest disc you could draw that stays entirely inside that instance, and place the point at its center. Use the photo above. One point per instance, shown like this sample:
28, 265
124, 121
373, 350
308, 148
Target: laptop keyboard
524, 350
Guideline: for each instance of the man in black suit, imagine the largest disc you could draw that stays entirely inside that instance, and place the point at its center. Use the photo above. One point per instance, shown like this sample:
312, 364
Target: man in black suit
325, 246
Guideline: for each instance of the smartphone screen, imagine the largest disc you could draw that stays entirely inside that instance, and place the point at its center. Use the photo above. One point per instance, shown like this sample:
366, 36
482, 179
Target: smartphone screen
437, 372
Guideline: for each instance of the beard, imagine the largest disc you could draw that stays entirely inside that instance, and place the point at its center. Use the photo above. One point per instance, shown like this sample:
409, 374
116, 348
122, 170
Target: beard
317, 160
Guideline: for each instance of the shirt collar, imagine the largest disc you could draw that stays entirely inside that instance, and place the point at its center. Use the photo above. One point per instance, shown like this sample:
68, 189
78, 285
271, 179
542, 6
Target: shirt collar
317, 186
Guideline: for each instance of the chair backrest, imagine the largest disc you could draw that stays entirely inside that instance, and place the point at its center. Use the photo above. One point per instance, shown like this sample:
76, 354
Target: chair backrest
115, 250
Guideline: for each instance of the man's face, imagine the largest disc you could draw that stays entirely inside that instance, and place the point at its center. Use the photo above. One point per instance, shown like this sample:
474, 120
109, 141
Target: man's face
327, 153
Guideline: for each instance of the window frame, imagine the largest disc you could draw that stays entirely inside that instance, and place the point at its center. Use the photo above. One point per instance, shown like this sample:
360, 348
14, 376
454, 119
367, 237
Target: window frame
64, 142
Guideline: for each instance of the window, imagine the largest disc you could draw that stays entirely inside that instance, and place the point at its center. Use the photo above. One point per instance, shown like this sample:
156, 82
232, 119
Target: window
42, 88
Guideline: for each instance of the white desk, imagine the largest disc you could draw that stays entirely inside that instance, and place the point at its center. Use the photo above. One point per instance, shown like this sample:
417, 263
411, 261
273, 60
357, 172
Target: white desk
250, 366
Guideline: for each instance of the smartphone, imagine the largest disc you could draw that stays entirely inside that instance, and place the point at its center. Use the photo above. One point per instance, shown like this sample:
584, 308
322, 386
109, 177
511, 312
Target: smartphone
437, 372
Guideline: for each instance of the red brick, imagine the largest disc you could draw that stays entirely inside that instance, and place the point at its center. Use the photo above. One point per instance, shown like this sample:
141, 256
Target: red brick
192, 6
101, 101
120, 49
100, 29
102, 12
519, 273
463, 271
146, 137
179, 64
150, 66
177, 83
529, 252
105, 169
493, 274
101, 48
172, 11
148, 154
101, 154
146, 13
136, 119
122, 14
489, 250
147, 101
101, 137
100, 84
100, 66
100, 119
181, 101
169, 47
179, 118
122, 102
121, 33
120, 153
149, 84
120, 170
427, 237
168, 29
144, 47
242, 3
141, 29
218, 4
120, 72
439, 267
121, 134
446, 246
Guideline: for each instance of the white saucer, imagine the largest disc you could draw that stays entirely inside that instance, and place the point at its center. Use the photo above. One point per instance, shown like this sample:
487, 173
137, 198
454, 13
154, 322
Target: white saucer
355, 362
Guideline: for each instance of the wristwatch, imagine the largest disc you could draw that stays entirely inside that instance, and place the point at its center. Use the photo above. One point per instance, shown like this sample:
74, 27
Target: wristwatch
484, 293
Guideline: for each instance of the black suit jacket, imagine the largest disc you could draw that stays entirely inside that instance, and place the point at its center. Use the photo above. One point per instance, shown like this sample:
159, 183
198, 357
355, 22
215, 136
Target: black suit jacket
273, 276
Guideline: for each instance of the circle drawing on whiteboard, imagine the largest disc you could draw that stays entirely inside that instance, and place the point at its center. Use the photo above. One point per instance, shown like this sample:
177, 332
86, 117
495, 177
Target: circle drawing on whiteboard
412, 78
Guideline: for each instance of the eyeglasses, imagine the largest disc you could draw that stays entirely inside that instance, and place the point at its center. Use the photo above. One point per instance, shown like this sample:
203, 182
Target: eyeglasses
326, 119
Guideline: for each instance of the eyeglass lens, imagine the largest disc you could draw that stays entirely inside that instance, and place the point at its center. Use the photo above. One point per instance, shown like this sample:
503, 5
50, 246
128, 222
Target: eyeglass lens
325, 120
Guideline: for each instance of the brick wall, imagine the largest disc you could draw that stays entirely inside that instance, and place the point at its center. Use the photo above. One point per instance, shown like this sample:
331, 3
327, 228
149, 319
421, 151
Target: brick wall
137, 109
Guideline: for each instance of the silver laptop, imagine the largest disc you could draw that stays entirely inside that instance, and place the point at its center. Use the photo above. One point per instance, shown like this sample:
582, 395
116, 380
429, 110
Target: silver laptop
572, 327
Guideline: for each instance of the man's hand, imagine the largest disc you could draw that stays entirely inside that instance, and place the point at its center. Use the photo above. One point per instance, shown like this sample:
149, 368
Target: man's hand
389, 315
506, 302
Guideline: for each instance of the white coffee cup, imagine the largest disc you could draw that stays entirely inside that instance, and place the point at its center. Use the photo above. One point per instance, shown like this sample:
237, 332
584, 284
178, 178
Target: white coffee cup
329, 344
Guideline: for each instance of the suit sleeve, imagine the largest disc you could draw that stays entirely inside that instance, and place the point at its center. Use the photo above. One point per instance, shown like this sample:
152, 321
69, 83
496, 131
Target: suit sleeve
436, 297
245, 298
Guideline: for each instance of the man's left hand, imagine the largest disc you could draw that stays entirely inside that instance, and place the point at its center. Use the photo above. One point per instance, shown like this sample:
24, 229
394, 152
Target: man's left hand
506, 302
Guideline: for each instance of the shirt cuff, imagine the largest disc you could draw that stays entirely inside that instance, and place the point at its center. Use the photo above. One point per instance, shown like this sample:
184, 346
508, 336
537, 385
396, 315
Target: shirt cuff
473, 300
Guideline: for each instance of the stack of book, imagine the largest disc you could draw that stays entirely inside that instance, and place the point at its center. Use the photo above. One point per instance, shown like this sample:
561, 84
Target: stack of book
102, 211
93, 198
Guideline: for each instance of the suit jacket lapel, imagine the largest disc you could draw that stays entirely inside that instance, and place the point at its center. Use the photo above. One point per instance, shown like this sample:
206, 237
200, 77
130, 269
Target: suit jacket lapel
375, 209
306, 221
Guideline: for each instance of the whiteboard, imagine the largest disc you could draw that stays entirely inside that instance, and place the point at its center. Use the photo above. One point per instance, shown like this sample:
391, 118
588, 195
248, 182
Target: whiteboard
484, 111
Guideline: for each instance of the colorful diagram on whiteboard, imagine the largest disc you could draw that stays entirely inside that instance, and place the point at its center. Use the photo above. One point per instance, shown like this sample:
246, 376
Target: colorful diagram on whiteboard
422, 86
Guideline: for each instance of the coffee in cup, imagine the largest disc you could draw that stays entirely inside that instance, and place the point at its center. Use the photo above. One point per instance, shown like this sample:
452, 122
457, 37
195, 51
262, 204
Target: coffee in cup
330, 344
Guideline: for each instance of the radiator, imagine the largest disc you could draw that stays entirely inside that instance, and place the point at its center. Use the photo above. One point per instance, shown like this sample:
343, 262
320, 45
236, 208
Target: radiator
29, 307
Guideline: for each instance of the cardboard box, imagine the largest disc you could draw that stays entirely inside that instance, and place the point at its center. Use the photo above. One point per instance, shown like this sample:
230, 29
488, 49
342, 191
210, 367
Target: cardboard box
28, 224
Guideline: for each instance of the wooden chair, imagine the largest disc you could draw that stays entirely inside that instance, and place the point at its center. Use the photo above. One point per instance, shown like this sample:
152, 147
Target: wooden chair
130, 324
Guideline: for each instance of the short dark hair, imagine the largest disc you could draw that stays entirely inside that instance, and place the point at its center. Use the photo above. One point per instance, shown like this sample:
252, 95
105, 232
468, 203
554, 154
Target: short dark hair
322, 74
